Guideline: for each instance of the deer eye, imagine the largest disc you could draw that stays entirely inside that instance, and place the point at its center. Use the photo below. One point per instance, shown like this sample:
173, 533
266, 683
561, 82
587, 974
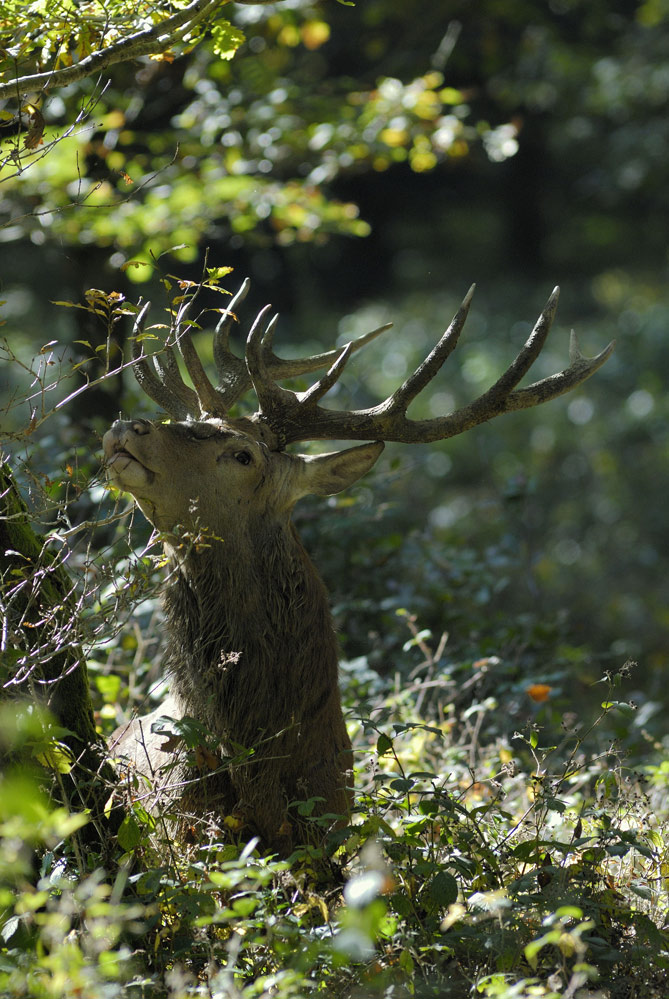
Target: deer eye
243, 457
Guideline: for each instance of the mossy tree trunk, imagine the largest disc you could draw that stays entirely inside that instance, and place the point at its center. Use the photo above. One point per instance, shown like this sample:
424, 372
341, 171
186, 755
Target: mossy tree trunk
41, 656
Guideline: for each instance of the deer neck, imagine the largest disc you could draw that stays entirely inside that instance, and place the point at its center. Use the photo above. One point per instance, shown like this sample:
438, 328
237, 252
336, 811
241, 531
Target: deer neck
248, 614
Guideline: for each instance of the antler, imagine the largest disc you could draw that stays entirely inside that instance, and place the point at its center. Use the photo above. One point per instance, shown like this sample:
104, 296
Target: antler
166, 386
296, 416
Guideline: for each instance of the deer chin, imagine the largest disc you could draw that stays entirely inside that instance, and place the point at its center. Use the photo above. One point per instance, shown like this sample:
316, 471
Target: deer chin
126, 472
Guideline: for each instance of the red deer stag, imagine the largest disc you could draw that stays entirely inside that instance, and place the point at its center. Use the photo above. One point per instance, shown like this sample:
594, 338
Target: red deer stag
251, 648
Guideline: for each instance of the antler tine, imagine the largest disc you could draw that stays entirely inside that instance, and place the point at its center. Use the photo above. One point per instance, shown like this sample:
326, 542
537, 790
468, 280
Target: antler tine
268, 335
531, 350
223, 327
233, 378
146, 378
426, 371
209, 399
166, 365
282, 367
272, 399
324, 384
580, 368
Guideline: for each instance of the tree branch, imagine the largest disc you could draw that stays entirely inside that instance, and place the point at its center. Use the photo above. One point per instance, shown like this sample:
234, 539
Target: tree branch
147, 42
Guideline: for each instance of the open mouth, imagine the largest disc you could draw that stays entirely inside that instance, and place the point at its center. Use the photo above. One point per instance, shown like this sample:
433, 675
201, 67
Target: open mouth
120, 454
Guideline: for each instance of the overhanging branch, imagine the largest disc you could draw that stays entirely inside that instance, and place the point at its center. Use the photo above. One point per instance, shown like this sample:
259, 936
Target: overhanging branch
147, 42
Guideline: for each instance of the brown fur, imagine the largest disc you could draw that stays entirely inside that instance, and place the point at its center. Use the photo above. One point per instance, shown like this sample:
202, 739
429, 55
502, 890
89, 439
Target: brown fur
251, 648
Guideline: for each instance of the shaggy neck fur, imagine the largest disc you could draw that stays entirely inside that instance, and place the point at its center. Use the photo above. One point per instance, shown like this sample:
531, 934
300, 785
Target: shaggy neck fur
253, 654
251, 613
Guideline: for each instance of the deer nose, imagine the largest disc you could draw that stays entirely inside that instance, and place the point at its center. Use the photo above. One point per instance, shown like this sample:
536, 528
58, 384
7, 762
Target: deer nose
138, 427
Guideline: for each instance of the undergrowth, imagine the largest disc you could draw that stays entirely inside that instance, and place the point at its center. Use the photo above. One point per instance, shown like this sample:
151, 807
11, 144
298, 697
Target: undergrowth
514, 867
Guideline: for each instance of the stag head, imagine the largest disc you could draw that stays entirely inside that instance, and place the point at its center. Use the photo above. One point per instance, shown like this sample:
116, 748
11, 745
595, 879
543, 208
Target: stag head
210, 474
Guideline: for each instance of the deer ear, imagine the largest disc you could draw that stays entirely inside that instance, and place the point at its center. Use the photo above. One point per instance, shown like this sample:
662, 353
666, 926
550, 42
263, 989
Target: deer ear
325, 474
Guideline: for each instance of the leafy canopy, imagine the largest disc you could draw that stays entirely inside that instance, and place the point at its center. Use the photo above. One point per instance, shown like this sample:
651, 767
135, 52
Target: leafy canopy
158, 125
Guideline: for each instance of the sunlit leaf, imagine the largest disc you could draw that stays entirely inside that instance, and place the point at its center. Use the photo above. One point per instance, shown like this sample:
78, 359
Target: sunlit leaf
129, 834
226, 39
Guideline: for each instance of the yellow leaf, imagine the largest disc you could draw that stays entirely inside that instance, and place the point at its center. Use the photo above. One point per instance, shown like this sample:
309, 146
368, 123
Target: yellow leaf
134, 263
566, 944
394, 136
289, 35
233, 822
314, 34
56, 757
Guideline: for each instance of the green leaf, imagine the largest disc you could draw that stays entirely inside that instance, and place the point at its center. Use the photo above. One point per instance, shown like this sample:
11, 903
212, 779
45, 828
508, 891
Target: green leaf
443, 889
623, 707
226, 39
617, 849
244, 906
402, 784
129, 834
401, 903
406, 960
109, 686
383, 744
216, 273
645, 927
